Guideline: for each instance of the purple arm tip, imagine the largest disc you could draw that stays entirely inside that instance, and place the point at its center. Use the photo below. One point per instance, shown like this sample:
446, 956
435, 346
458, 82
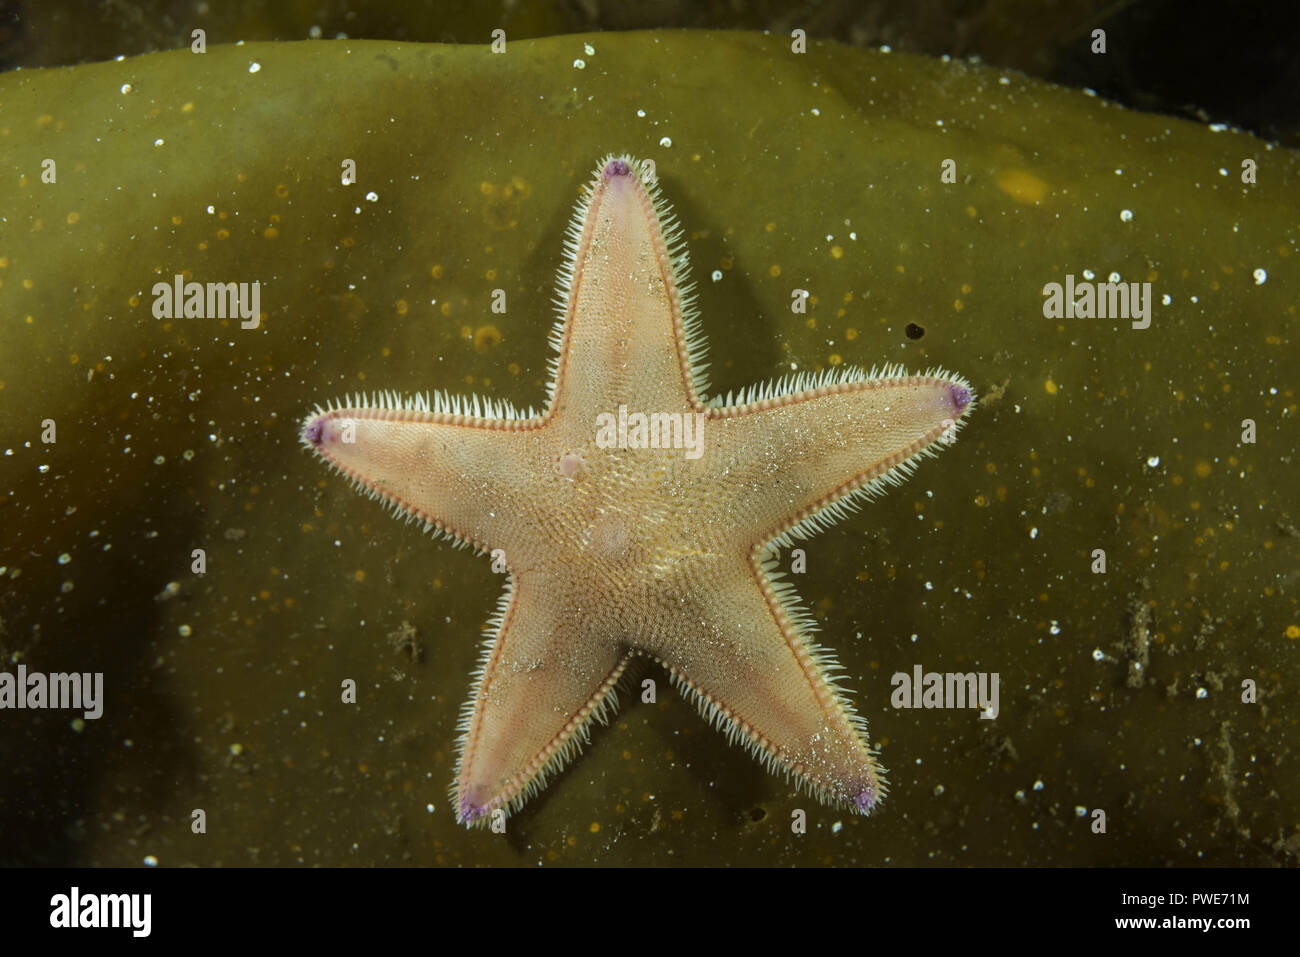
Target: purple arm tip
865, 799
617, 167
961, 396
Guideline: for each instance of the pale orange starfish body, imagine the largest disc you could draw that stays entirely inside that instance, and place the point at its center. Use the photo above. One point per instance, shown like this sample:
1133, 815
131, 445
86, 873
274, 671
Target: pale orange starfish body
616, 547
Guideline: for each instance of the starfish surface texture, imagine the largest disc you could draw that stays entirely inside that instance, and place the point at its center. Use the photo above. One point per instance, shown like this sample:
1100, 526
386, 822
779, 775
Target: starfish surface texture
638, 517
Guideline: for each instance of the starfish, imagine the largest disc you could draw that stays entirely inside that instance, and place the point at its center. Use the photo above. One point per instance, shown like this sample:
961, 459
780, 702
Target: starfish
636, 517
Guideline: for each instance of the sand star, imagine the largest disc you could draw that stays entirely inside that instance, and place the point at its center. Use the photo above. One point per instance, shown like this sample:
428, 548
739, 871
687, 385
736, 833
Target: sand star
637, 517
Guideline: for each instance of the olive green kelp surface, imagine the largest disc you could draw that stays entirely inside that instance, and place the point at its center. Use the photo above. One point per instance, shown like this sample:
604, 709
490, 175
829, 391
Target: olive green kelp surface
1157, 696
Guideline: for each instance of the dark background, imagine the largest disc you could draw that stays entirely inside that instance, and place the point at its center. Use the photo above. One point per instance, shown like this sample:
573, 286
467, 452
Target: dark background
1222, 62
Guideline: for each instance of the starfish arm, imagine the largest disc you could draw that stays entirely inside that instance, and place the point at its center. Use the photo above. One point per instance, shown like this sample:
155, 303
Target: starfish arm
435, 463
808, 456
627, 328
755, 673
539, 687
